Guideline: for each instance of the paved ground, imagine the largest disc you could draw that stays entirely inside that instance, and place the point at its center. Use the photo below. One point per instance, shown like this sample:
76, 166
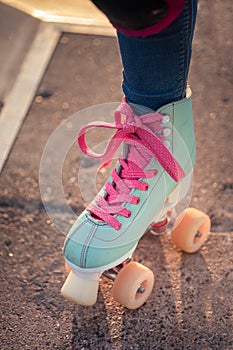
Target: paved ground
191, 304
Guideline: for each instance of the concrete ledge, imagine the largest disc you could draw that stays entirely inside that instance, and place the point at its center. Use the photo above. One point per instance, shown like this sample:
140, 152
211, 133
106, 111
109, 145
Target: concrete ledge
19, 100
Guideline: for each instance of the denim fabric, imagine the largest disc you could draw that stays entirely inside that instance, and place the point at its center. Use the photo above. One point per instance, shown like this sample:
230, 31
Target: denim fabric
155, 68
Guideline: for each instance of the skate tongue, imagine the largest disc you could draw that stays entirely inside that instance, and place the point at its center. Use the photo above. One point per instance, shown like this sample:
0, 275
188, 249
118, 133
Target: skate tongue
132, 153
137, 155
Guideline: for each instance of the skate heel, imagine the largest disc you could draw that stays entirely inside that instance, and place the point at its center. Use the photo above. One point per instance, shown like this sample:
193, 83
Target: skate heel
173, 205
181, 191
80, 290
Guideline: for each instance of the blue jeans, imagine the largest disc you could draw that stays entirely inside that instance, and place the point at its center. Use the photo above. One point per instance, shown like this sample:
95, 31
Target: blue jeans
156, 67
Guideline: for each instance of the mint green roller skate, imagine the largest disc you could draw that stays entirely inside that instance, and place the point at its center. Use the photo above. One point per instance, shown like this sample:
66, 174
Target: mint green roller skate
152, 175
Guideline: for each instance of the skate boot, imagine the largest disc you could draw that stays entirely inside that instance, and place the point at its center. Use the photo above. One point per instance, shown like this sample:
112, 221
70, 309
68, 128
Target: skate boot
152, 175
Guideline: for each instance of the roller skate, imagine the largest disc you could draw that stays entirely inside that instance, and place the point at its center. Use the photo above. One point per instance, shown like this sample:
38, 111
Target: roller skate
151, 176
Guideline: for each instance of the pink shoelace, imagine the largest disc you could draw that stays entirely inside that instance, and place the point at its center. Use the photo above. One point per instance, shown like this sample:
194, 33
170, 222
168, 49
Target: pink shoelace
144, 134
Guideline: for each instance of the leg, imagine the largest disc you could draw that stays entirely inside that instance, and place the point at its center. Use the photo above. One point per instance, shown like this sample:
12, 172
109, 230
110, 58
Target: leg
156, 67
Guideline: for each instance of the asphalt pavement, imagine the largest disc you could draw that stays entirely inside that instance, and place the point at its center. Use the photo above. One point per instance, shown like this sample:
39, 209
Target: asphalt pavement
191, 303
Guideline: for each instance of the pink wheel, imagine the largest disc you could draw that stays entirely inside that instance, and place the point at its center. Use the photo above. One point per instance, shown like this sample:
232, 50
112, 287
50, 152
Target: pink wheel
191, 230
133, 285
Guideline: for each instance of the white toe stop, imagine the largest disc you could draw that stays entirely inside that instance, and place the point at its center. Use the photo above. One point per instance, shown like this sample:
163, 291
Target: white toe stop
80, 290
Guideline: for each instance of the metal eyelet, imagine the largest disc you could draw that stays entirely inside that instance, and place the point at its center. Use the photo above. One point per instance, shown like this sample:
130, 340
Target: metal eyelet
167, 143
165, 119
166, 132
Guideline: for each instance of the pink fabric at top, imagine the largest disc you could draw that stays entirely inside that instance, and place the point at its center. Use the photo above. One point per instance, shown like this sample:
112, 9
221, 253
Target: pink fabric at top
175, 8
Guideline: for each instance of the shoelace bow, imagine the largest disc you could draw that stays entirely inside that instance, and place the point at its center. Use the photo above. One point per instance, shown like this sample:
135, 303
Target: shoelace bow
132, 130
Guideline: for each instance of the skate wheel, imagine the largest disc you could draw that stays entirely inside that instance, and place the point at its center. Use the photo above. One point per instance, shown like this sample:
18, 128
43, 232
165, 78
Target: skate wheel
191, 230
133, 285
81, 291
